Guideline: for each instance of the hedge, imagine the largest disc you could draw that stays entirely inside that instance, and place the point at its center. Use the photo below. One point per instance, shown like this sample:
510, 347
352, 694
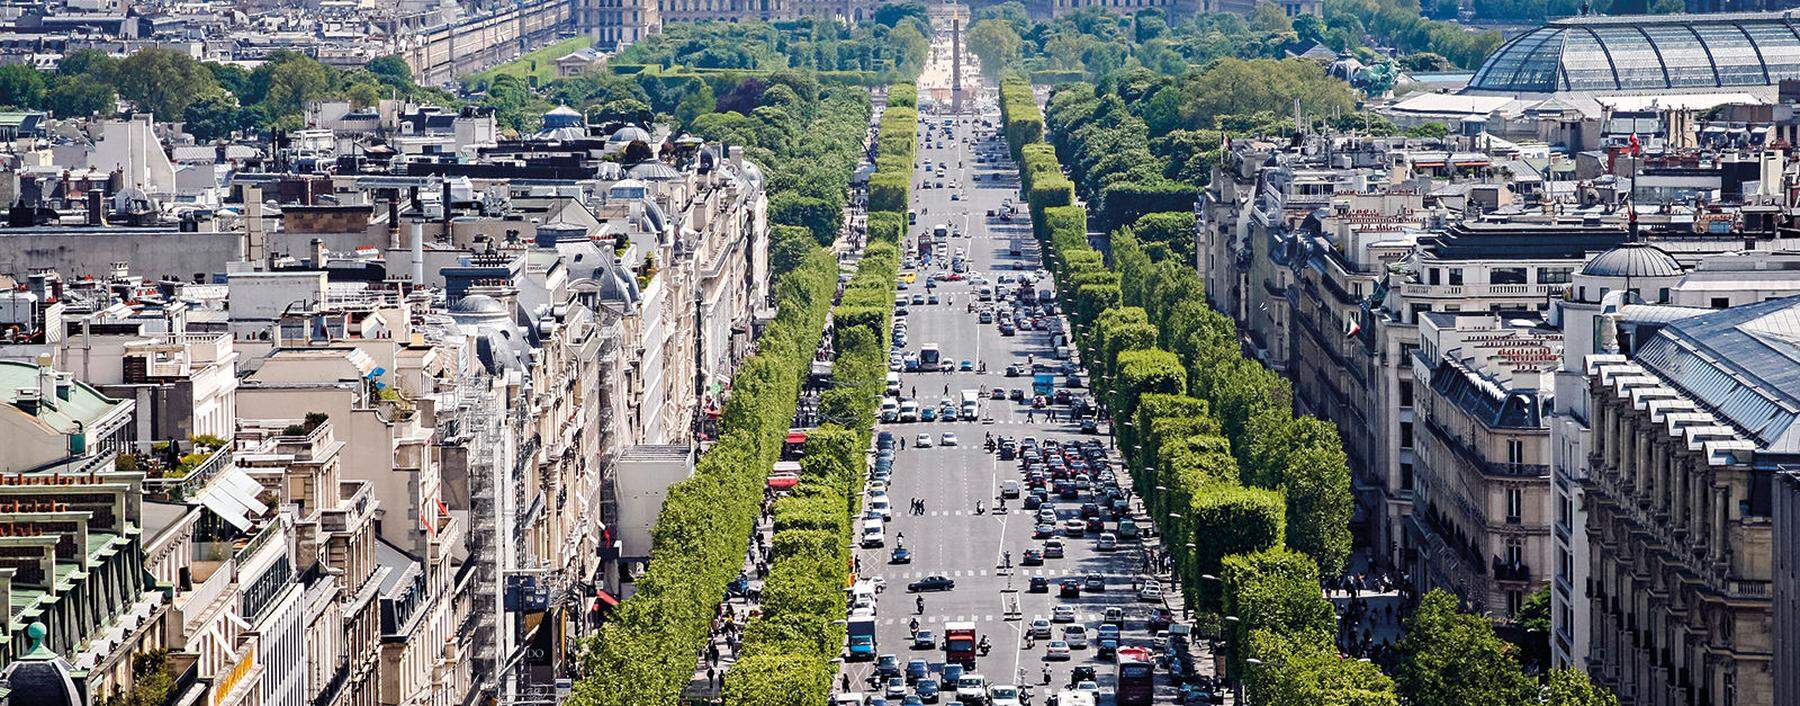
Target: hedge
1123, 203
646, 652
1189, 464
787, 651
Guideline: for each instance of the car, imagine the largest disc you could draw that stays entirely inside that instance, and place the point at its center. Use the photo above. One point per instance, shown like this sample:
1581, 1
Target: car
1062, 613
901, 555
1032, 557
1089, 426
1069, 588
927, 690
928, 414
917, 668
1003, 695
931, 299
912, 700
918, 299
1081, 673
896, 687
1076, 636
1032, 501
1094, 525
924, 640
1016, 395
1150, 593
1041, 629
1159, 620
923, 440
1015, 370
887, 665
966, 366
931, 583
1114, 616
1094, 583
948, 439
1073, 527
950, 674
1088, 685
1043, 530
997, 394
1057, 651
1039, 584
1053, 549
1107, 542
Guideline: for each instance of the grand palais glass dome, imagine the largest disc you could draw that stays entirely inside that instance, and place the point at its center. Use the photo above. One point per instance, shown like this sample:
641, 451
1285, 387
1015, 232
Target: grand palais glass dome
1646, 54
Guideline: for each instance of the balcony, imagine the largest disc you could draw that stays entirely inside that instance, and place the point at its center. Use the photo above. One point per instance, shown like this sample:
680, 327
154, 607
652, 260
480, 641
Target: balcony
1534, 291
1474, 459
186, 477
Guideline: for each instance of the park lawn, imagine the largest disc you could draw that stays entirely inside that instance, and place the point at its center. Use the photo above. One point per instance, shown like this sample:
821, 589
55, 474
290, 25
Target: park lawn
540, 63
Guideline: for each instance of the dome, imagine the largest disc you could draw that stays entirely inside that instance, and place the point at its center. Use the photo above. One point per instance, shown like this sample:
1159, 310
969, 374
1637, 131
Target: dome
40, 677
563, 116
652, 170
478, 304
1645, 54
1633, 260
630, 133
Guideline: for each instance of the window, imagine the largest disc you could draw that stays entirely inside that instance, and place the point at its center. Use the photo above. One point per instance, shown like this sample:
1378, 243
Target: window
1721, 302
1406, 435
1515, 505
1406, 475
1662, 295
1565, 511
1507, 275
1555, 275
1515, 451
1514, 600
1431, 276
1406, 393
1456, 276
1565, 564
1515, 551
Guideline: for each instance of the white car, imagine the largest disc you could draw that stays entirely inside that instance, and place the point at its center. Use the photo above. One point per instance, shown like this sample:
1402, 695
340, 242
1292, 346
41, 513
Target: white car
1076, 636
1150, 593
1003, 695
1088, 685
922, 441
1057, 650
1040, 629
1108, 542
1063, 613
948, 439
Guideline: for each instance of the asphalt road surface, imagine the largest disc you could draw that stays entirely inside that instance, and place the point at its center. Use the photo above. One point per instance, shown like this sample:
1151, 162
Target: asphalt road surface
950, 539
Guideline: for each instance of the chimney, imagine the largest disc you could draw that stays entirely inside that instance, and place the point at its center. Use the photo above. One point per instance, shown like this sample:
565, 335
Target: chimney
446, 183
255, 241
28, 400
96, 208
65, 386
318, 253
393, 223
418, 253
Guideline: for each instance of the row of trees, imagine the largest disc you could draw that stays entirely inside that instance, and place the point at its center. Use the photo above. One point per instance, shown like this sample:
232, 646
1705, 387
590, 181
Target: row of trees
213, 99
1254, 502
647, 651
895, 45
1091, 43
890, 189
788, 650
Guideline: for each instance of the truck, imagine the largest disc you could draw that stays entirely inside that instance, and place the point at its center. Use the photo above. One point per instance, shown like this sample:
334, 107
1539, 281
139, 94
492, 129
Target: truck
959, 643
1043, 384
971, 405
862, 638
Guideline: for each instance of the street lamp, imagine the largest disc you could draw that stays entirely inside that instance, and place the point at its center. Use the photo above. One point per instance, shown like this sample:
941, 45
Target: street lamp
1250, 662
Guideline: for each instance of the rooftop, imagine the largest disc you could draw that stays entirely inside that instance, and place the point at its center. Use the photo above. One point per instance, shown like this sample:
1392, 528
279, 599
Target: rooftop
1742, 363
1646, 54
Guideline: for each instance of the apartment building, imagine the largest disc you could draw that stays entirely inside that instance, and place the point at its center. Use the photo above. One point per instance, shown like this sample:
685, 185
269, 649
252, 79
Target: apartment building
1479, 526
1692, 419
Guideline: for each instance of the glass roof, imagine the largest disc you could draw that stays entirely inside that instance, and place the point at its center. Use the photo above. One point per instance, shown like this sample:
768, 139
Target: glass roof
1646, 53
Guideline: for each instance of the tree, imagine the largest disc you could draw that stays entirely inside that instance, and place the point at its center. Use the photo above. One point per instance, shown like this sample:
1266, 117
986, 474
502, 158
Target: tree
1454, 659
995, 43
93, 63
1269, 18
1296, 670
363, 95
1569, 687
392, 71
21, 86
790, 246
294, 80
81, 95
1534, 620
164, 81
820, 217
214, 117
890, 14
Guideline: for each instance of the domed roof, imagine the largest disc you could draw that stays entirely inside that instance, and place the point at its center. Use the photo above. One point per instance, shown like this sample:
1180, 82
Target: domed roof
1633, 260
652, 170
40, 677
478, 304
630, 133
1643, 54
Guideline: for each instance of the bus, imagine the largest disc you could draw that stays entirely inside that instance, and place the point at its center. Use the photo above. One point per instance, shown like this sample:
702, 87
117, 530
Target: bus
929, 359
1136, 684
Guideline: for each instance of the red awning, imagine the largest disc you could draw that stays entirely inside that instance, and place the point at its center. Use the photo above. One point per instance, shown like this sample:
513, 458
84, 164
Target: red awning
796, 437
783, 482
606, 598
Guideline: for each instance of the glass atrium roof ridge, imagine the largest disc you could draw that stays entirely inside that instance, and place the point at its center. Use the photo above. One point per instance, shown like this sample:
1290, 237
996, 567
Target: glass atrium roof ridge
1646, 53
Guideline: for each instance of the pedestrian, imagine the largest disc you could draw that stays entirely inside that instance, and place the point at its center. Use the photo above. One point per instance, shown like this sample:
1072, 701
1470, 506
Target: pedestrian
711, 675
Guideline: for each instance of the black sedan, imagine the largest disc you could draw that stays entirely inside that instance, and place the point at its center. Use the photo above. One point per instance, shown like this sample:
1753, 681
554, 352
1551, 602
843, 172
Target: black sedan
931, 583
